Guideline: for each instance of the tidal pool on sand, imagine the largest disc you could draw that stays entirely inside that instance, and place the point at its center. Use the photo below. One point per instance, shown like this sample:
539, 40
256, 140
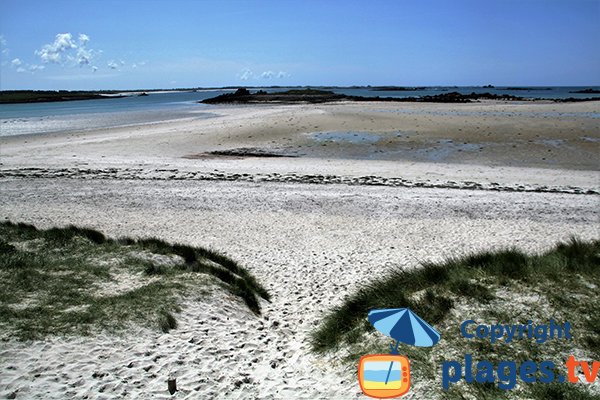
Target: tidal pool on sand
346, 137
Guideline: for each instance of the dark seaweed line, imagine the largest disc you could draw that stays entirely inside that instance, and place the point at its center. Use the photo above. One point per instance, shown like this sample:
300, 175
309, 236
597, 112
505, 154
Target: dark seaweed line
371, 180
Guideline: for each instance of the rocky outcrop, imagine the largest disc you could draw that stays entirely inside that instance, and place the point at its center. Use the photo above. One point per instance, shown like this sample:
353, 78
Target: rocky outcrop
587, 91
243, 96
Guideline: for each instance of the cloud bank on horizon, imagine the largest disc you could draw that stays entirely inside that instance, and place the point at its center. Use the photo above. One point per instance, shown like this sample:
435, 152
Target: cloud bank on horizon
247, 75
153, 44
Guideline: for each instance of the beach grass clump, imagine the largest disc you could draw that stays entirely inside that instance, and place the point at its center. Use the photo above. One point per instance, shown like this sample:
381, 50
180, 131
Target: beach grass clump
74, 280
506, 286
167, 321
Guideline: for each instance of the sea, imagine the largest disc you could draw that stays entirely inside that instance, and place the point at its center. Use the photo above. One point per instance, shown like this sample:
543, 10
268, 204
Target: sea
157, 107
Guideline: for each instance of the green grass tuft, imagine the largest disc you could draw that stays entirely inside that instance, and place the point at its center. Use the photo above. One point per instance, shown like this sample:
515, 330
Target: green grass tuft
167, 322
6, 248
502, 286
52, 280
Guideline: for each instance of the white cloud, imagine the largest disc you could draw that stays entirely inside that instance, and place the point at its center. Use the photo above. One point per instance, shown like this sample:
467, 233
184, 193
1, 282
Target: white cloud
138, 64
94, 68
66, 50
33, 68
18, 65
267, 75
271, 75
3, 46
246, 74
63, 41
53, 52
84, 56
116, 64
21, 67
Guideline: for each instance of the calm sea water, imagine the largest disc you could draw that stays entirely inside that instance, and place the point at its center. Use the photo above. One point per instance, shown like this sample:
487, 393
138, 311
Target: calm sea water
71, 116
82, 115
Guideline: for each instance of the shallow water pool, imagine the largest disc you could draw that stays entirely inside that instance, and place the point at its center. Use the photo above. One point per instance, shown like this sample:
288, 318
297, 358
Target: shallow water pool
346, 137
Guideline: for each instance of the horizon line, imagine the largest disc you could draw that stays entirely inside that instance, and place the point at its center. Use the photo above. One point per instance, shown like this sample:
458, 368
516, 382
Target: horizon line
229, 87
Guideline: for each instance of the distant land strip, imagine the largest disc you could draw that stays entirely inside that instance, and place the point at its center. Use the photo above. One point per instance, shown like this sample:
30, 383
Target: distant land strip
299, 95
44, 96
369, 180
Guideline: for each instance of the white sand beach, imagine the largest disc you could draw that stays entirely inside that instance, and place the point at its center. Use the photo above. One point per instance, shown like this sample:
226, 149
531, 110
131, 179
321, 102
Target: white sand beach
418, 182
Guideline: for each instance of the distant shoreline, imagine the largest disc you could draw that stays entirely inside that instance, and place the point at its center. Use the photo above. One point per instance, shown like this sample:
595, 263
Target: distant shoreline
43, 96
316, 94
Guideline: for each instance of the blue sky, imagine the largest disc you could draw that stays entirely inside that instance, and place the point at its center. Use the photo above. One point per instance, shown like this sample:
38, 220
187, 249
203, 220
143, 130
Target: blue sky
128, 44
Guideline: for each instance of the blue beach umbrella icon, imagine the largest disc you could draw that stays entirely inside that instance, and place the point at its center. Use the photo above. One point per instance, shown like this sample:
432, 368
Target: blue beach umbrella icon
403, 325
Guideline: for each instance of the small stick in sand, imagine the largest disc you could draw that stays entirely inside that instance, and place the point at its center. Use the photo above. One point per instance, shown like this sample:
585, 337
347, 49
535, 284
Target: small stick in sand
172, 383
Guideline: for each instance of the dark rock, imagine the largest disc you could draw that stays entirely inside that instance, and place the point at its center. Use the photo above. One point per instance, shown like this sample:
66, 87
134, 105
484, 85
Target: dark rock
243, 96
587, 91
574, 100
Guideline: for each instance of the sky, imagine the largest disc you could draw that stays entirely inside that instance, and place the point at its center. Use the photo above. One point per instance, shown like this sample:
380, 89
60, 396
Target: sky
144, 44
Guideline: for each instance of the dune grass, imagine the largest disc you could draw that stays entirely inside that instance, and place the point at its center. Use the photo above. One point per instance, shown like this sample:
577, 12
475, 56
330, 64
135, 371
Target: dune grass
73, 280
505, 286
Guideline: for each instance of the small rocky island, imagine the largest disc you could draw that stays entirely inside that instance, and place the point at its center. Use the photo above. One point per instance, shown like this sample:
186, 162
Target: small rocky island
244, 96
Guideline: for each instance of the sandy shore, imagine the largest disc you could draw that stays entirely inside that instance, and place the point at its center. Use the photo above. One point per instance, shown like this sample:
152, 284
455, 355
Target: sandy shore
510, 144
309, 244
497, 134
